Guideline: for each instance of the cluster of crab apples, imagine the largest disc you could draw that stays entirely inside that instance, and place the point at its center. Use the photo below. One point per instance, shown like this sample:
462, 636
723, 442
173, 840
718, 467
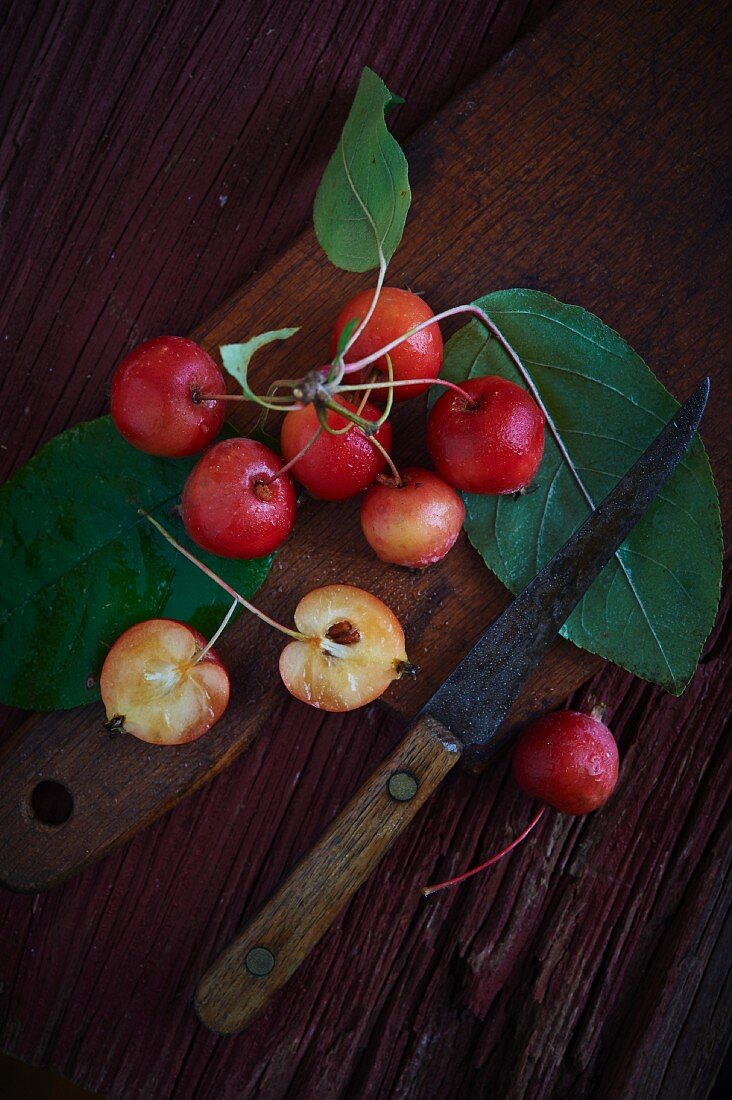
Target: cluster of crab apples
169, 398
164, 683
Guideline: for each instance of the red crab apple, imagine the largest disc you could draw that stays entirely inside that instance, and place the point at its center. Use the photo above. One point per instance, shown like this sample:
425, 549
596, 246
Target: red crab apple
236, 502
334, 467
397, 311
156, 685
352, 648
491, 441
156, 400
415, 523
568, 760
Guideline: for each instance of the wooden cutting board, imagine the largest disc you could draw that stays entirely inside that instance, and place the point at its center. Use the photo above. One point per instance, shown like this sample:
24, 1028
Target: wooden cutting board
541, 175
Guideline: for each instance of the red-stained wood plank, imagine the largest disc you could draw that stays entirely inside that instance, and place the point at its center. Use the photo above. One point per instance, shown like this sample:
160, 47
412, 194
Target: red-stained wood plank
591, 963
598, 937
597, 150
151, 160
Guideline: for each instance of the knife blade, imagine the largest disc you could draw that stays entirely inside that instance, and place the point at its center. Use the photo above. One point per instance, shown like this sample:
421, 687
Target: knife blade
460, 720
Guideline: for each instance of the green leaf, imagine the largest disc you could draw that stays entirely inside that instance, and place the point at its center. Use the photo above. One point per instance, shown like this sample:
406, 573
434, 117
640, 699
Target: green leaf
236, 357
654, 604
364, 195
345, 336
80, 565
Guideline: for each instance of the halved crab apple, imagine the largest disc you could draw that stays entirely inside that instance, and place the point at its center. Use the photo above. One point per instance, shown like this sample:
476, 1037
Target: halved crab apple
160, 684
351, 650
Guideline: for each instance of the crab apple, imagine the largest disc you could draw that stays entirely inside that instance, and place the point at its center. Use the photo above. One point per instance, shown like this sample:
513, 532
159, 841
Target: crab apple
156, 686
352, 650
335, 467
396, 312
568, 760
490, 442
155, 398
236, 503
413, 524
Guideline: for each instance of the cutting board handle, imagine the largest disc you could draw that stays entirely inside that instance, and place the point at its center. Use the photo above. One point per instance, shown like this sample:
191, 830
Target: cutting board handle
239, 984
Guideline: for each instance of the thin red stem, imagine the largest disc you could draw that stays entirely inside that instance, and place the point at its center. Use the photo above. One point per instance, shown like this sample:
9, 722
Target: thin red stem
407, 382
359, 364
273, 404
389, 461
221, 397
288, 465
427, 890
220, 581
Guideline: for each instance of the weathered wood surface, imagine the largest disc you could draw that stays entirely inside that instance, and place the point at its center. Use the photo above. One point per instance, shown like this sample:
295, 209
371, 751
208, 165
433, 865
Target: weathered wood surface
232, 992
599, 152
594, 961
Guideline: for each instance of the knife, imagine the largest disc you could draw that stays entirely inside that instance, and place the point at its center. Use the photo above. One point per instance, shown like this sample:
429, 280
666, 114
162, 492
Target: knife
458, 723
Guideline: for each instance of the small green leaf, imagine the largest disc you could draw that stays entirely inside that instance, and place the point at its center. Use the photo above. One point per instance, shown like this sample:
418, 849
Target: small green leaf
236, 357
364, 195
346, 335
654, 605
80, 564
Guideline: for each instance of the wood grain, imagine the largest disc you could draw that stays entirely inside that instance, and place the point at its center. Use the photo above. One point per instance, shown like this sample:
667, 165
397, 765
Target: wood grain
229, 996
600, 145
595, 962
607, 933
153, 159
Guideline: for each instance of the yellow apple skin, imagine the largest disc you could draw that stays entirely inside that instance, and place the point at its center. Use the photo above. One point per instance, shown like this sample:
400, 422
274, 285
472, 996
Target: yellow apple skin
414, 524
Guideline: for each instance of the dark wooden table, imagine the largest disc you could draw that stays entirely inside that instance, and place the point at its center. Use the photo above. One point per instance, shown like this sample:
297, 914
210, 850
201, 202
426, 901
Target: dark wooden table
154, 157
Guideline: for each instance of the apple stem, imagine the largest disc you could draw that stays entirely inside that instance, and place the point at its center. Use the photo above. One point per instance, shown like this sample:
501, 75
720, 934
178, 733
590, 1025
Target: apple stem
324, 400
377, 291
366, 426
367, 388
470, 307
288, 465
367, 360
408, 382
273, 403
398, 483
222, 583
214, 639
427, 890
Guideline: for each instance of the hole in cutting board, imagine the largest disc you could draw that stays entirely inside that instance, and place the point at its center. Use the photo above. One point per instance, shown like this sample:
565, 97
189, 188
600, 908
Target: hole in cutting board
51, 803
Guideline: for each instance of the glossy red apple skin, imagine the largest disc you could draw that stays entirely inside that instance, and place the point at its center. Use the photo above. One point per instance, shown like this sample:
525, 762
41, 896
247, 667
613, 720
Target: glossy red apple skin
494, 444
415, 524
231, 506
397, 311
335, 467
568, 760
154, 401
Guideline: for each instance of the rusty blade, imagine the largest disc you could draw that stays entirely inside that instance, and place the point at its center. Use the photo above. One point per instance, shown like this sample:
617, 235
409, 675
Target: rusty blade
475, 698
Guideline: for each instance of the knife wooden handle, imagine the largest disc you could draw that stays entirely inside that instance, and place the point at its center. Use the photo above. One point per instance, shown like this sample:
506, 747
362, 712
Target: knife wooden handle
237, 987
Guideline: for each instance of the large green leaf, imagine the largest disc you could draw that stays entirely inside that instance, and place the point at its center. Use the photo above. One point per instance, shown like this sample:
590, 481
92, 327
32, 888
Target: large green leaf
653, 606
364, 195
80, 565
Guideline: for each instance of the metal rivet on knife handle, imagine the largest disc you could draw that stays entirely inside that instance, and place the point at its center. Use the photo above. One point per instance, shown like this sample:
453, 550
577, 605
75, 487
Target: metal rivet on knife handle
259, 962
402, 786
294, 919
